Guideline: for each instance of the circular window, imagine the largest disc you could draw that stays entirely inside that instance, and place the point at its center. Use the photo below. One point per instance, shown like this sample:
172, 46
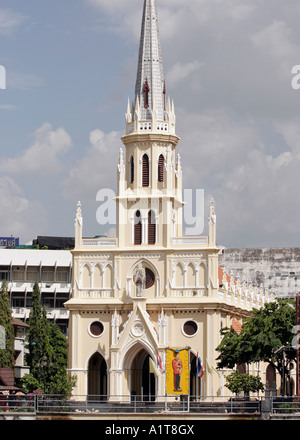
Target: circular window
190, 328
96, 328
150, 278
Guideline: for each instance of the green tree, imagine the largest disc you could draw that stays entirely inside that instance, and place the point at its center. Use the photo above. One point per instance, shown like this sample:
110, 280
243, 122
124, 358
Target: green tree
35, 328
7, 354
237, 382
263, 333
47, 356
59, 381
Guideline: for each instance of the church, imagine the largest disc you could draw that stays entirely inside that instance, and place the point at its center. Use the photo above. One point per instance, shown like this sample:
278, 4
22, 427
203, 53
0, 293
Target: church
150, 291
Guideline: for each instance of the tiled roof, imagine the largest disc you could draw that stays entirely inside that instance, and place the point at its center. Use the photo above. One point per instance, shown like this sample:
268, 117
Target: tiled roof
7, 379
236, 325
7, 376
221, 275
17, 323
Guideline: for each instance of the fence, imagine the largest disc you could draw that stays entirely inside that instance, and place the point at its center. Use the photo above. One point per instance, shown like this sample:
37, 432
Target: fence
128, 404
285, 405
276, 405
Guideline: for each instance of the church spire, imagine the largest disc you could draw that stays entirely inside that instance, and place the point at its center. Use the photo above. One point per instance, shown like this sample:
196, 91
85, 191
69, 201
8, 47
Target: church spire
151, 111
150, 82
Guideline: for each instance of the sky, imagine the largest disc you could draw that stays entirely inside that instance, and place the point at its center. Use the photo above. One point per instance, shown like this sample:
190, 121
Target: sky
70, 69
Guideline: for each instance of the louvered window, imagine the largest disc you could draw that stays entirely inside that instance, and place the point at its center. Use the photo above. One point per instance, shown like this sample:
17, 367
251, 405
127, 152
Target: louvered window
145, 170
161, 161
131, 170
137, 228
151, 228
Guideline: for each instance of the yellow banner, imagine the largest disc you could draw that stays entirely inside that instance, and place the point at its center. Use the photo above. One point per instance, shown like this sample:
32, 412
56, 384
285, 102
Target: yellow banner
177, 370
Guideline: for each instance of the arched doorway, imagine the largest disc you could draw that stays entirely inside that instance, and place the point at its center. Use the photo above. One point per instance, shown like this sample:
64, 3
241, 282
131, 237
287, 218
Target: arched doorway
195, 381
97, 377
141, 383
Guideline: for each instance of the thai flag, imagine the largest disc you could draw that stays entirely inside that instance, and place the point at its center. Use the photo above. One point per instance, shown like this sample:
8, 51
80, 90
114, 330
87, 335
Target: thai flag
160, 364
200, 369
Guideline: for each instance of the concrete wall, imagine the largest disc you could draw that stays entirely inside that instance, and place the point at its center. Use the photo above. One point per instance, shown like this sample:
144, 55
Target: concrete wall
277, 269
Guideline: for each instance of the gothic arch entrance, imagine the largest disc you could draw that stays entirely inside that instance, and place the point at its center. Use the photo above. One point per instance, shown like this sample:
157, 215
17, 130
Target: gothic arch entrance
141, 383
97, 377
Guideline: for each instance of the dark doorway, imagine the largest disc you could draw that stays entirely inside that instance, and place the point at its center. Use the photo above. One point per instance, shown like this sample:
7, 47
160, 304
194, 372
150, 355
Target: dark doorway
97, 377
148, 381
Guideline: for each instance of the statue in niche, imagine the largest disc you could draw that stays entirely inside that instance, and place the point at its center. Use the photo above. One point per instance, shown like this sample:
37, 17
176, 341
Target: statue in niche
139, 280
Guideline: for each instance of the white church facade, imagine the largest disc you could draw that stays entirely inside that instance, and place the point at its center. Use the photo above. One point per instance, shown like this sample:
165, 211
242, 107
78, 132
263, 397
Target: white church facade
151, 287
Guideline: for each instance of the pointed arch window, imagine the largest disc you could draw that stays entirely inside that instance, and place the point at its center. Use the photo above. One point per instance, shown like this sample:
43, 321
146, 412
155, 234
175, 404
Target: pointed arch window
137, 228
161, 163
151, 228
131, 170
145, 170
146, 90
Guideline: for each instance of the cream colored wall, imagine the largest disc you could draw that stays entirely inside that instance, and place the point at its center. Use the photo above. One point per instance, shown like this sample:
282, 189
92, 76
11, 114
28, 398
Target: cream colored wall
87, 345
176, 274
134, 191
153, 149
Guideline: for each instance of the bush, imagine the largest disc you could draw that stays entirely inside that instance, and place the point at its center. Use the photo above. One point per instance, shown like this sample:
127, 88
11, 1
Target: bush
244, 382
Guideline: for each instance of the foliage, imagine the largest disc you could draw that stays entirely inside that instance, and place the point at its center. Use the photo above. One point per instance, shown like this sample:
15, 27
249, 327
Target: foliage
47, 356
268, 329
29, 383
7, 355
35, 325
59, 382
237, 382
287, 408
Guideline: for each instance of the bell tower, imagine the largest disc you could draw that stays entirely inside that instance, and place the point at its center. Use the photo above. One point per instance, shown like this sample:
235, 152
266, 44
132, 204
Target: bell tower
149, 202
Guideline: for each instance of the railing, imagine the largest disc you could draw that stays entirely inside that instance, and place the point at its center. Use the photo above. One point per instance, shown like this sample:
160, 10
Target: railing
93, 293
103, 242
184, 241
187, 292
17, 403
128, 404
57, 313
285, 405
276, 406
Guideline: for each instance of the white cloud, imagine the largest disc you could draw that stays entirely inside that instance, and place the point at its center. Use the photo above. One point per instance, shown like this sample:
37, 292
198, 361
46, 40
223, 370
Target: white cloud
19, 216
43, 156
23, 81
275, 40
96, 169
180, 72
10, 20
8, 107
256, 192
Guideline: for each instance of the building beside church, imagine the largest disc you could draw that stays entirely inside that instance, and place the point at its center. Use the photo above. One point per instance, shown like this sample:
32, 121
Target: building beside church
151, 287
275, 269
